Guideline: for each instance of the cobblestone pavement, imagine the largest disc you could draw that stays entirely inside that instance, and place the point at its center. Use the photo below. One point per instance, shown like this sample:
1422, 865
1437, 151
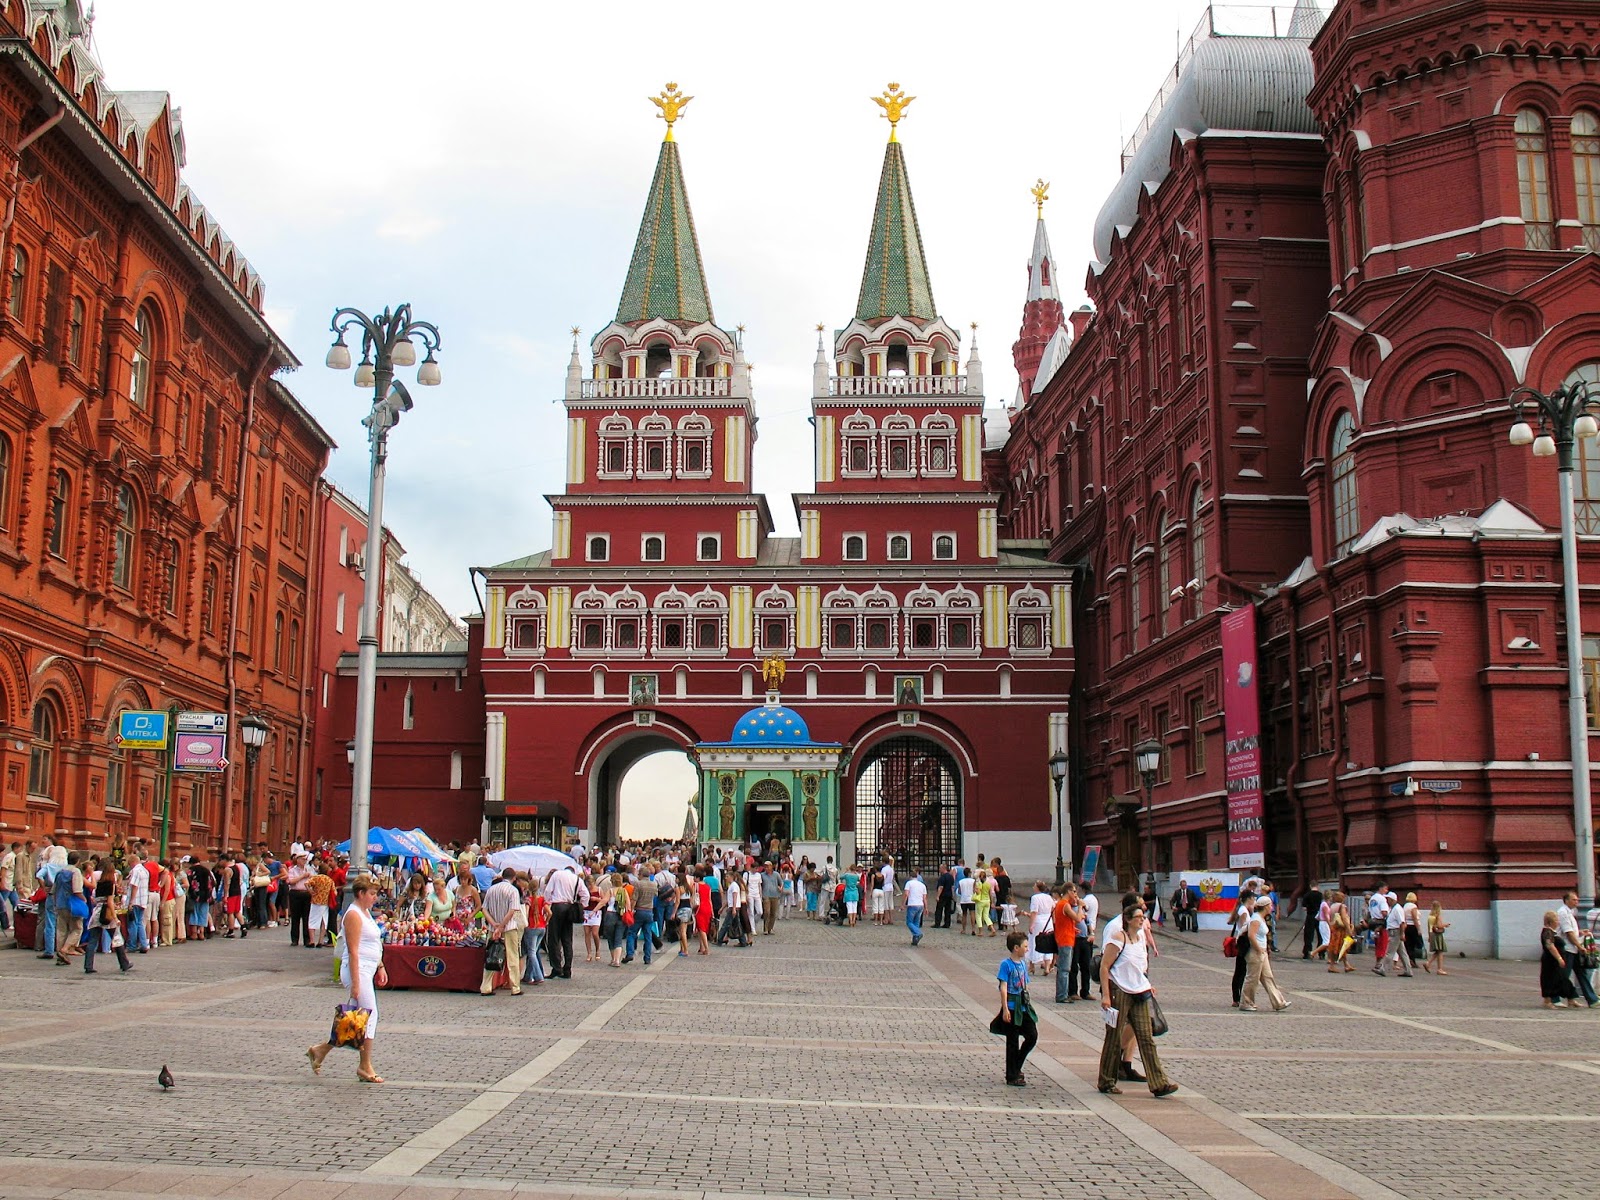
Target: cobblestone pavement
821, 1063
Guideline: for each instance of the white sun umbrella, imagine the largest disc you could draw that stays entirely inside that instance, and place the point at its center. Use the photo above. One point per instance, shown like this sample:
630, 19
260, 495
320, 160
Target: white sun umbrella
534, 860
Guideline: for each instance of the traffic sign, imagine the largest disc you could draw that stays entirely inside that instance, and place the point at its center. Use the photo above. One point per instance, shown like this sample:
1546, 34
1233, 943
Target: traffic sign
202, 722
137, 730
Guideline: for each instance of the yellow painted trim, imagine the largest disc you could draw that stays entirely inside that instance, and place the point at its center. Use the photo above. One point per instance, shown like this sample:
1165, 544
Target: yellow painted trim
561, 536
810, 533
1061, 626
827, 450
971, 447
577, 446
494, 631
558, 628
994, 616
808, 617
741, 629
733, 449
988, 533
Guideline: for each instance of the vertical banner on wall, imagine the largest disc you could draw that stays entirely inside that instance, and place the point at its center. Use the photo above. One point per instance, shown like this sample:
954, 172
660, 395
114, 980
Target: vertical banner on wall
1241, 720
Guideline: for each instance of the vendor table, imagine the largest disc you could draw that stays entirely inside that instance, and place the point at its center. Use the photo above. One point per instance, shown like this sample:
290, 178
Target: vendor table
434, 968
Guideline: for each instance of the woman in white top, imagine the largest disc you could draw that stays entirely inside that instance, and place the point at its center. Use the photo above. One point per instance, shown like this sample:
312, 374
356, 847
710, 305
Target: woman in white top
1259, 971
1126, 988
361, 965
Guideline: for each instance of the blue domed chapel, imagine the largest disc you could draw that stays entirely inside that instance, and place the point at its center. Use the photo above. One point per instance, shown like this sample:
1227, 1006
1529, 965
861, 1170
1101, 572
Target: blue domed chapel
770, 778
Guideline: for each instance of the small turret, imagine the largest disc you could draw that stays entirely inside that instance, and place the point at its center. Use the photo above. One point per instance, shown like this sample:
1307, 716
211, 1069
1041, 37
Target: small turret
1042, 313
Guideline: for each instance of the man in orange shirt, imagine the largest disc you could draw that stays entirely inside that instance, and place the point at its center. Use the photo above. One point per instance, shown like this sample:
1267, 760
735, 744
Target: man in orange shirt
1068, 913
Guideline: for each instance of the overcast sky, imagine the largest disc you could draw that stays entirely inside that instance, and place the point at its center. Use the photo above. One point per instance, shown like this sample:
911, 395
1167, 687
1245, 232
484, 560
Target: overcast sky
488, 162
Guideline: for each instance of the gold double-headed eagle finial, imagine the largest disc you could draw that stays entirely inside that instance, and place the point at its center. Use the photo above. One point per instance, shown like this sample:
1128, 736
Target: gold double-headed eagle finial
671, 102
894, 103
1041, 193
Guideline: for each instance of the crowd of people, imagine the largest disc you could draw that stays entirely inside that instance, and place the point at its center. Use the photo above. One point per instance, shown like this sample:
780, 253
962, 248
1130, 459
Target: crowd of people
635, 900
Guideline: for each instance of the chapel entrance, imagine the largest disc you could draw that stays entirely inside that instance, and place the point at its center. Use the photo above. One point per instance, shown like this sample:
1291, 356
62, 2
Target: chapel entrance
766, 813
908, 804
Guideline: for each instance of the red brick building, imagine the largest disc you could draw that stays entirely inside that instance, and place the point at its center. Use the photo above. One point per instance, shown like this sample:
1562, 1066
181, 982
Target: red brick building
157, 485
1333, 252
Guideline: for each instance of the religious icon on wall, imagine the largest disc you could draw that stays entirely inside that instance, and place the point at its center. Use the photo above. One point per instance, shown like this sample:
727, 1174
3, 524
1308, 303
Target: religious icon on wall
642, 691
808, 813
725, 813
908, 690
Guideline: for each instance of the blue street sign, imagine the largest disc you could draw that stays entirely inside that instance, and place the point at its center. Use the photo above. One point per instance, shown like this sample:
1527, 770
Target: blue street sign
142, 730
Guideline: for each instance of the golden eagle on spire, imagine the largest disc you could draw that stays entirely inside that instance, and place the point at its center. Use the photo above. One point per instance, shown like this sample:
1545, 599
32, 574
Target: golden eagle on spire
1040, 192
894, 104
671, 102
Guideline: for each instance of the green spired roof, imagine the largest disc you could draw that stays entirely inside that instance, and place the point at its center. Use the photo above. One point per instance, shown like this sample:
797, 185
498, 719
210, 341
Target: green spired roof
665, 278
894, 282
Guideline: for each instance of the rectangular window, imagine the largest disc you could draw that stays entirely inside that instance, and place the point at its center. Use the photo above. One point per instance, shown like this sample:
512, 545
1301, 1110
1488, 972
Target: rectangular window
627, 637
672, 634
338, 614
1325, 857
455, 770
877, 635
592, 635
842, 634
1197, 739
958, 633
1591, 678
1163, 723
924, 635
707, 634
774, 634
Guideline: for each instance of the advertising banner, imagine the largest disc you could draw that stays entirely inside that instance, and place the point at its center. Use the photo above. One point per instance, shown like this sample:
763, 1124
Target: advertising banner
1091, 864
201, 752
1241, 727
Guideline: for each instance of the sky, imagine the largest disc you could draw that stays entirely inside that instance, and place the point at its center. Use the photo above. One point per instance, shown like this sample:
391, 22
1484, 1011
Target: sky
488, 162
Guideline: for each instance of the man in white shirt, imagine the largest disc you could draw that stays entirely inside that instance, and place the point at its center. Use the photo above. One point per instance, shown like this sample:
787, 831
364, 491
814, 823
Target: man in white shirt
966, 889
137, 898
502, 904
1394, 926
567, 895
1091, 915
916, 905
1567, 931
887, 875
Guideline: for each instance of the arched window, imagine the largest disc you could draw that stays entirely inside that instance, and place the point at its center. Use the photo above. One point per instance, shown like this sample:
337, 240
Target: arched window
1586, 174
60, 500
294, 649
655, 548
1342, 475
42, 751
1533, 179
75, 333
122, 540
855, 547
144, 353
5, 482
1197, 552
277, 642
19, 283
116, 770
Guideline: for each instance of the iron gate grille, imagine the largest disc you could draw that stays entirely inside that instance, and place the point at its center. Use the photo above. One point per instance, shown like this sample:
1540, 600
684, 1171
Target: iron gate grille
908, 805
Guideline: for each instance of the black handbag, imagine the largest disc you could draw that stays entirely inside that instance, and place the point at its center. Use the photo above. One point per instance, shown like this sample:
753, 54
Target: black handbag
1045, 940
494, 955
1158, 1019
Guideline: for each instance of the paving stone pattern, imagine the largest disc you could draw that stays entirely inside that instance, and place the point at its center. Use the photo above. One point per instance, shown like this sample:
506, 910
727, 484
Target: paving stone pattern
819, 1063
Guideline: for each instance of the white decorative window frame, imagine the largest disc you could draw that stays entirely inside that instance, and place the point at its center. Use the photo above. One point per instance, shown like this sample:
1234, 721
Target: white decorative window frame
707, 605
699, 547
644, 546
773, 604
589, 539
592, 604
694, 430
615, 431
524, 608
955, 545
960, 603
654, 430
888, 546
1027, 605
858, 429
898, 429
844, 547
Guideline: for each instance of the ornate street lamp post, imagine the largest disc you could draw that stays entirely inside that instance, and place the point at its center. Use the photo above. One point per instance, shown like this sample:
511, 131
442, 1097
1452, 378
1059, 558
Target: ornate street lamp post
386, 343
1562, 417
253, 732
1058, 774
1147, 757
